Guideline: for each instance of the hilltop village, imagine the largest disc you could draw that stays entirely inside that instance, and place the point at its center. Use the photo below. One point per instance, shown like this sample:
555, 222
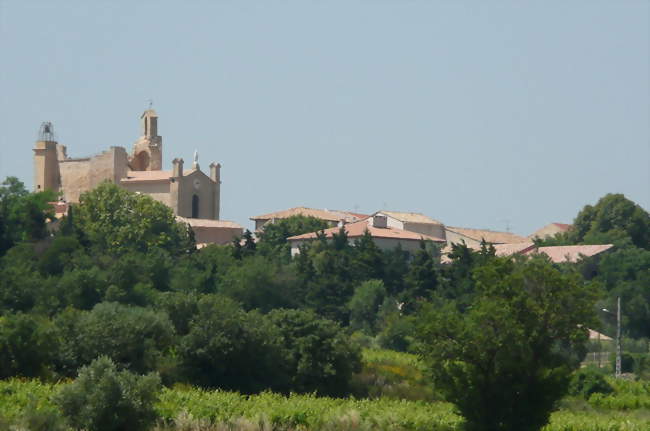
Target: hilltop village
120, 285
194, 197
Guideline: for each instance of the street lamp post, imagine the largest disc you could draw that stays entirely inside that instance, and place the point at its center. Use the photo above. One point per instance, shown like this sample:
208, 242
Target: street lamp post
618, 335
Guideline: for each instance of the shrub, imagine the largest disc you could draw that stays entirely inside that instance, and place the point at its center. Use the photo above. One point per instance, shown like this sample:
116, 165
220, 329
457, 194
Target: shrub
587, 381
318, 356
105, 399
229, 348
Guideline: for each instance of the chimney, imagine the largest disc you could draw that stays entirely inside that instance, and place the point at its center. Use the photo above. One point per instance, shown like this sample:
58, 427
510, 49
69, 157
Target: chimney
379, 221
178, 168
215, 172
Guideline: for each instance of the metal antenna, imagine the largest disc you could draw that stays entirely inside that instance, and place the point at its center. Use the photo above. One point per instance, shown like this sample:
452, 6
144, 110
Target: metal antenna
507, 222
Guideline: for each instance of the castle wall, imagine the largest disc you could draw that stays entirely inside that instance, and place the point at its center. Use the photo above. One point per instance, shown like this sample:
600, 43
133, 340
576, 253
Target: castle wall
81, 175
75, 178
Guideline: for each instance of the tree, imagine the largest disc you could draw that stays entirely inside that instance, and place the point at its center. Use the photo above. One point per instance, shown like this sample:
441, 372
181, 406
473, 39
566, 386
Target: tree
27, 345
229, 348
613, 219
273, 237
105, 399
507, 360
318, 356
261, 283
133, 337
364, 306
23, 215
116, 220
422, 278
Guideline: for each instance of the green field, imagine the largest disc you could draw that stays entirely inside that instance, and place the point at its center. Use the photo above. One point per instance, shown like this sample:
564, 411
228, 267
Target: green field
188, 408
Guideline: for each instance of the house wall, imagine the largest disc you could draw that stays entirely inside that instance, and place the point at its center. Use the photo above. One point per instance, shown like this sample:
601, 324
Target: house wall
435, 230
216, 235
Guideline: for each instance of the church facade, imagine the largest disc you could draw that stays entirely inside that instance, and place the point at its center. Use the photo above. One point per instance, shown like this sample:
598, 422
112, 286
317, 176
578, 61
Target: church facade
190, 193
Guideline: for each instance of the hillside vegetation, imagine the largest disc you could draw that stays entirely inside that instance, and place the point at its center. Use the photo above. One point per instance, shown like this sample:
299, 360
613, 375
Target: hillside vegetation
116, 315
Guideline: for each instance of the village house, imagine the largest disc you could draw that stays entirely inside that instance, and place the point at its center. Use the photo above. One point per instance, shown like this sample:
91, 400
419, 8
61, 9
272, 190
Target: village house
383, 235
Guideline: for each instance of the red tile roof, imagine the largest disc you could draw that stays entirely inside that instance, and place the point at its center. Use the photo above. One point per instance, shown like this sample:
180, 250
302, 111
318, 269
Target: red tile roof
516, 248
490, 236
329, 215
357, 229
571, 253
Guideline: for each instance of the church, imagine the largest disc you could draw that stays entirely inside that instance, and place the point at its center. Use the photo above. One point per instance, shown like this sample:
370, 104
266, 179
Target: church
193, 195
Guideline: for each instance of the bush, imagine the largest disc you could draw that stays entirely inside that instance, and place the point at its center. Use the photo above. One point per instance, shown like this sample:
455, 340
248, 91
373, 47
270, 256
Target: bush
104, 399
229, 348
134, 337
26, 345
318, 356
587, 381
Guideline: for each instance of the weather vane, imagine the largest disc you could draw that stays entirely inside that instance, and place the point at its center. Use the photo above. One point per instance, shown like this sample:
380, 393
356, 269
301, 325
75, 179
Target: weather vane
150, 103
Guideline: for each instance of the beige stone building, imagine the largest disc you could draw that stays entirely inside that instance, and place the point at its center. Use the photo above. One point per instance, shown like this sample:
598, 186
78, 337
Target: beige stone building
191, 194
386, 237
414, 222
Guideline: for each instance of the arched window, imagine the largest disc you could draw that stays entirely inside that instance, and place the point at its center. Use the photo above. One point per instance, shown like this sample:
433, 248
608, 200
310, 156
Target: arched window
195, 206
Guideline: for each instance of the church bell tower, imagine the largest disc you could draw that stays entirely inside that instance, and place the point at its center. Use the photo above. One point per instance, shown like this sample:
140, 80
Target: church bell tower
147, 150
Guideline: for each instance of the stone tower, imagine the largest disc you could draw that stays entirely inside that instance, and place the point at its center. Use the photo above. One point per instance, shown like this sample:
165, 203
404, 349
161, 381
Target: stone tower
46, 163
147, 150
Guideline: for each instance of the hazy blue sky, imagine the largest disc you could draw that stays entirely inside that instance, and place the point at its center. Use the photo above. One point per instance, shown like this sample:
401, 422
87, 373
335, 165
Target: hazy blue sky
472, 112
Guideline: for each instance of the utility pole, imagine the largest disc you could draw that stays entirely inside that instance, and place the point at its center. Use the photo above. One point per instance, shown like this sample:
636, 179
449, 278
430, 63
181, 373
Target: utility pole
618, 338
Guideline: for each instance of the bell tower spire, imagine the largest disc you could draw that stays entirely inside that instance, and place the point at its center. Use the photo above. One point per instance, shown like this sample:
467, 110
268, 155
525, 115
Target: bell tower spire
147, 150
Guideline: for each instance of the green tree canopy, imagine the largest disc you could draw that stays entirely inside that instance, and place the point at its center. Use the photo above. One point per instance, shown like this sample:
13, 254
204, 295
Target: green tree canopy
116, 220
507, 360
273, 237
23, 215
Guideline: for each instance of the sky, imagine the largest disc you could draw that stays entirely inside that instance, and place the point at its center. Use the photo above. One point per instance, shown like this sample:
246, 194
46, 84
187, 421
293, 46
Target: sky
485, 114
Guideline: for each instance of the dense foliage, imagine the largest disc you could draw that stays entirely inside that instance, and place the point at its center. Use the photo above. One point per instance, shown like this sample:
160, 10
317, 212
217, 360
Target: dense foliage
105, 399
121, 279
515, 347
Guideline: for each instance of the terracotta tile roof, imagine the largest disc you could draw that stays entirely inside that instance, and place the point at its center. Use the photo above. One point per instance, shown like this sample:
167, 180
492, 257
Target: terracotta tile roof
410, 217
140, 176
329, 215
516, 248
571, 253
201, 222
357, 229
489, 235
